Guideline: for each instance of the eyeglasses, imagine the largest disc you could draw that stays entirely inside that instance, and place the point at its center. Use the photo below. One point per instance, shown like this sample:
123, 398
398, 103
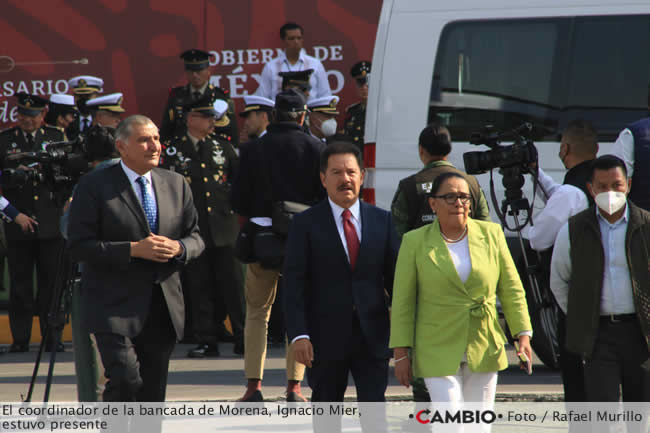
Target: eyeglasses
451, 198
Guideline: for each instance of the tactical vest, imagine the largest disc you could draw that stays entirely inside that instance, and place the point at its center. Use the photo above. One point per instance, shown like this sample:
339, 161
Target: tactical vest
640, 194
417, 187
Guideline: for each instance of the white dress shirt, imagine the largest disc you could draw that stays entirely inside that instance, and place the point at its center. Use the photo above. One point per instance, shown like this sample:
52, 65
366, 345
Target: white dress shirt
355, 218
459, 252
133, 176
82, 120
271, 82
624, 149
616, 296
564, 201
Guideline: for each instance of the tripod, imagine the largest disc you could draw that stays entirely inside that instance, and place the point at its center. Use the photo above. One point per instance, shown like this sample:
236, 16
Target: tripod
57, 317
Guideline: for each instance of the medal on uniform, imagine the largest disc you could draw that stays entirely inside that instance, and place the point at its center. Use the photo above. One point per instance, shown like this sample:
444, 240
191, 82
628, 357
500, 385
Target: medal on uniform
217, 157
14, 145
44, 145
171, 151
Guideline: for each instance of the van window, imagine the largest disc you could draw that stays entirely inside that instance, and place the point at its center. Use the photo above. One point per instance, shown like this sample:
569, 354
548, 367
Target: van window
544, 71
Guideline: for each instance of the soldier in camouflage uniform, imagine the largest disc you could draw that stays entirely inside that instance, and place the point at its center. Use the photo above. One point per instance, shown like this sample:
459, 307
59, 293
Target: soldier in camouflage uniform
355, 114
410, 208
209, 164
197, 68
34, 198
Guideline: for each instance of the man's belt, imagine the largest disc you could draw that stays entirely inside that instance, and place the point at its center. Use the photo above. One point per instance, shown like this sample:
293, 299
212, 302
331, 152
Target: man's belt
615, 318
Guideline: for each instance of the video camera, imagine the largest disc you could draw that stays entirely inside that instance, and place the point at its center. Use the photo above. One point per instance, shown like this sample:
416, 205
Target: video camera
59, 165
521, 153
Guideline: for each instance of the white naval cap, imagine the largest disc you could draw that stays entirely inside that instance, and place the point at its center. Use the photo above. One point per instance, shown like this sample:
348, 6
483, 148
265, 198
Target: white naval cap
61, 99
324, 104
111, 102
256, 103
85, 84
220, 110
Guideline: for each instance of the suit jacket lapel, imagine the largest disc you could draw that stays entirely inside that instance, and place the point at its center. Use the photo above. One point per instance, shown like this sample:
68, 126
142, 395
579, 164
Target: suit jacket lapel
128, 196
477, 253
364, 215
161, 189
439, 255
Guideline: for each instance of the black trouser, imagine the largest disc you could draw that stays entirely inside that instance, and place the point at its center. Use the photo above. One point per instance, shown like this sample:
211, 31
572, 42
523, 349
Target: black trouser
136, 368
618, 353
573, 378
211, 280
23, 255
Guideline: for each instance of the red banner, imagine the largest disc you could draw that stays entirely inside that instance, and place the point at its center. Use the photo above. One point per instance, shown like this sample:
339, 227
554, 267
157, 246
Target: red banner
133, 45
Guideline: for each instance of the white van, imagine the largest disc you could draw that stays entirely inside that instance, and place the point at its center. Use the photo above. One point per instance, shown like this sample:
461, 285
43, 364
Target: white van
469, 63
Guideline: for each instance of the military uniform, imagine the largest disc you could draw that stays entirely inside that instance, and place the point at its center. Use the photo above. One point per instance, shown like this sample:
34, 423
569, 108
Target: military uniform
209, 166
354, 125
26, 250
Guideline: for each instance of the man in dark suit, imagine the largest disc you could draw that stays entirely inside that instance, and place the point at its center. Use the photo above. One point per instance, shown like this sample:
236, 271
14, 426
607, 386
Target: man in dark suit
338, 270
133, 226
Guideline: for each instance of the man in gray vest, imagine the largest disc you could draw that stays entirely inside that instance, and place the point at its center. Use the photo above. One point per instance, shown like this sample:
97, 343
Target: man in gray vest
599, 276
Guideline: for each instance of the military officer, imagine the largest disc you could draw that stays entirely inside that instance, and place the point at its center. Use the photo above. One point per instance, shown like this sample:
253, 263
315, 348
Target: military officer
355, 114
84, 88
107, 110
62, 111
257, 116
197, 70
39, 248
322, 117
209, 164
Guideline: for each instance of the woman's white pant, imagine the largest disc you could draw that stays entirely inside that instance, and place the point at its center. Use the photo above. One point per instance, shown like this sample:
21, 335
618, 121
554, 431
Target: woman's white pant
466, 390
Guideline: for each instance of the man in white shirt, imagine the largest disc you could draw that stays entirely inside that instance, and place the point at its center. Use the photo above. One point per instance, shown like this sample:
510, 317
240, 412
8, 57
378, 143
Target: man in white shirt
633, 147
599, 276
578, 148
294, 58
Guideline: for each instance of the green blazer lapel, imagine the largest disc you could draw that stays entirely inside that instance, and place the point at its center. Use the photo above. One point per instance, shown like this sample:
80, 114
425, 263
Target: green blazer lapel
439, 255
478, 254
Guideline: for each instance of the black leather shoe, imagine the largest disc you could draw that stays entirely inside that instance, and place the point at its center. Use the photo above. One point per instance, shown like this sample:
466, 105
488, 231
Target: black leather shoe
255, 397
19, 347
204, 351
59, 347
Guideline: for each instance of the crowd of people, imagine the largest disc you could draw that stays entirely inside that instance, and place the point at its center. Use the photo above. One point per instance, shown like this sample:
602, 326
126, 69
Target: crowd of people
164, 221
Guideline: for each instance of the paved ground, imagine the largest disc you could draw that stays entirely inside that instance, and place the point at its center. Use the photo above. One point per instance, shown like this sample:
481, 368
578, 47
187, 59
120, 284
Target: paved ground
222, 379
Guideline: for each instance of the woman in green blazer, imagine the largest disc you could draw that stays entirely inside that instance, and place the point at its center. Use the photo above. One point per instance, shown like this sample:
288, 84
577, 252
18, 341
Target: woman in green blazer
448, 276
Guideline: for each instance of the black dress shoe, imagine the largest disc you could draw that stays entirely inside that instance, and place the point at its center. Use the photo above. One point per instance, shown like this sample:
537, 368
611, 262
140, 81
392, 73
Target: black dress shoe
59, 347
19, 347
204, 350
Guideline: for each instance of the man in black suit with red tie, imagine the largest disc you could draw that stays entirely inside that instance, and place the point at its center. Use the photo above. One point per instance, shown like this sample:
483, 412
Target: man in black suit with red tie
338, 275
133, 226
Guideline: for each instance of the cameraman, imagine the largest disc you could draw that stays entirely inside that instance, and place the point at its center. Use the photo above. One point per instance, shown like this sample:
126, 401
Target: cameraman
100, 151
31, 248
578, 148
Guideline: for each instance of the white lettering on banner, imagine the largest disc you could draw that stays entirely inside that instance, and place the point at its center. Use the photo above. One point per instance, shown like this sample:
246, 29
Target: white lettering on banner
6, 114
235, 87
236, 81
340, 80
333, 53
35, 87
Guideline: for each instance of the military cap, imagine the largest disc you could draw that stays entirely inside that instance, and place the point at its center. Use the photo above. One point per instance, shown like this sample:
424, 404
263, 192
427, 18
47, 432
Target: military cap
290, 100
220, 109
256, 103
324, 104
85, 84
297, 78
62, 103
111, 102
203, 105
195, 60
30, 105
360, 69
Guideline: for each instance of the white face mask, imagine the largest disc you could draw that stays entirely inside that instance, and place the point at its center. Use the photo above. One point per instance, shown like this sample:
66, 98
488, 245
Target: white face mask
610, 201
328, 127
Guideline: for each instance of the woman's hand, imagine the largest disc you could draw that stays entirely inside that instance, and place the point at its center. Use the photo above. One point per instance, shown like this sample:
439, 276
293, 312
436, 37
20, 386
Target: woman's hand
403, 366
524, 347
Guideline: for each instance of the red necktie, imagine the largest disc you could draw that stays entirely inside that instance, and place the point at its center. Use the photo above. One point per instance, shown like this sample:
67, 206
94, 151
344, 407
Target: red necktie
351, 237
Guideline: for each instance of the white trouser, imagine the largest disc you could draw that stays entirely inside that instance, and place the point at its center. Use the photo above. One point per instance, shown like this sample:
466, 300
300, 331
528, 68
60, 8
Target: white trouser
451, 392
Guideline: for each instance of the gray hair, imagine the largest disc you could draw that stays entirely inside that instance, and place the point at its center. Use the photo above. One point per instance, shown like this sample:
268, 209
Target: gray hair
124, 129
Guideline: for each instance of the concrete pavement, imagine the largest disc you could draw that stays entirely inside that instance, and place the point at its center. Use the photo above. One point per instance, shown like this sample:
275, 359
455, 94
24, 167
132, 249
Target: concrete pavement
222, 379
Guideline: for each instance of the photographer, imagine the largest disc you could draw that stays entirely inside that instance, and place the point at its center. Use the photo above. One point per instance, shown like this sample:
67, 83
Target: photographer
100, 151
578, 149
40, 245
